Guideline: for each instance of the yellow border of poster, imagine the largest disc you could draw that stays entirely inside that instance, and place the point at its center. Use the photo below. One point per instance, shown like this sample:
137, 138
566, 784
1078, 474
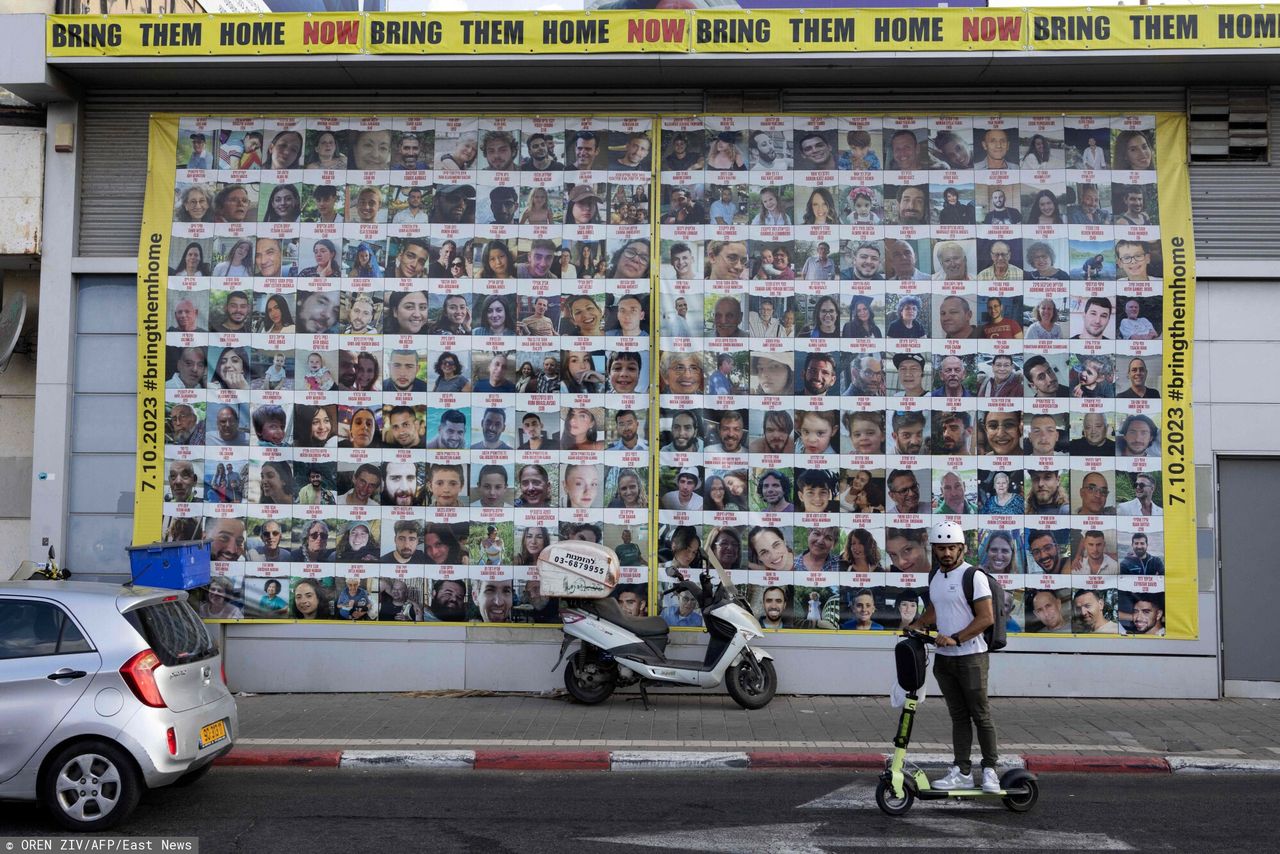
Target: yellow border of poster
1178, 477
153, 277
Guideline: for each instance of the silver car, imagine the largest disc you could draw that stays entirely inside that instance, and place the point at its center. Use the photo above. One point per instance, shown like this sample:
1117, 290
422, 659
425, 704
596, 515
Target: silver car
105, 691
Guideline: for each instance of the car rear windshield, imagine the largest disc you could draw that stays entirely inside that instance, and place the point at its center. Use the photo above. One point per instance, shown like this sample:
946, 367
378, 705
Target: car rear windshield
174, 632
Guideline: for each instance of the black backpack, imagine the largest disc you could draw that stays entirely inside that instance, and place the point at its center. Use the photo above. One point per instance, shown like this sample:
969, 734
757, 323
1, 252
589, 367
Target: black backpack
996, 636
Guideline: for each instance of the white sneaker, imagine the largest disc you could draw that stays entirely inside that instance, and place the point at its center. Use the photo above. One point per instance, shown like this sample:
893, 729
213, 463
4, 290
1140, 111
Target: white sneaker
954, 780
990, 782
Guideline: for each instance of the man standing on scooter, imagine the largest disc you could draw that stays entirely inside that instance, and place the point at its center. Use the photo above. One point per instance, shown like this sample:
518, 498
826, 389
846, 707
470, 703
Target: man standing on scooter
961, 663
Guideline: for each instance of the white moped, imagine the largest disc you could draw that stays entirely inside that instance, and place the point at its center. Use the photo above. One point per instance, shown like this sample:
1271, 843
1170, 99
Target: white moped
618, 650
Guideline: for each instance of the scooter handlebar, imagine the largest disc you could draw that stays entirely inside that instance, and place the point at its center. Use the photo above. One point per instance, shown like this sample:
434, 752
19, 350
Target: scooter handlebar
920, 636
691, 586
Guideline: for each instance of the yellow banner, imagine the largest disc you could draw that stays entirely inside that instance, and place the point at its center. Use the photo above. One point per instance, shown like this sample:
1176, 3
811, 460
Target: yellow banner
700, 31
1120, 28
153, 276
198, 35
1173, 186
864, 31
528, 32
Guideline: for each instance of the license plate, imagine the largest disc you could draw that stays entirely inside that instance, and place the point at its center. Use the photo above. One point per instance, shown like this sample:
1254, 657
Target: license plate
213, 733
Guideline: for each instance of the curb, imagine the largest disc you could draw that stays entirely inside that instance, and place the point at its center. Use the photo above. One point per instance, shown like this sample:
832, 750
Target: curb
762, 760
1098, 764
542, 760
1199, 765
680, 760
280, 757
768, 759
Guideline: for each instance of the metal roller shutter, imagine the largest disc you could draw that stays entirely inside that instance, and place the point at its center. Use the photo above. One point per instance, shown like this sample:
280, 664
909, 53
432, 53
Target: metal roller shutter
1237, 205
114, 170
115, 127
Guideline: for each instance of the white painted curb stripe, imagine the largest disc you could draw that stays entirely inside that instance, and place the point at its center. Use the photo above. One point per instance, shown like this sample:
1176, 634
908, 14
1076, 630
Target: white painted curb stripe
1199, 764
408, 759
657, 760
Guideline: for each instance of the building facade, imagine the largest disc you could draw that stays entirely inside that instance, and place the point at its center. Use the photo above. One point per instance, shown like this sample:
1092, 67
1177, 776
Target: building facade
82, 480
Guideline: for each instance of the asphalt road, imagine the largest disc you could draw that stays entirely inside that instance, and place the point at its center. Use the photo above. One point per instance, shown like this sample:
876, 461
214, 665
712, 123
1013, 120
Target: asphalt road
341, 810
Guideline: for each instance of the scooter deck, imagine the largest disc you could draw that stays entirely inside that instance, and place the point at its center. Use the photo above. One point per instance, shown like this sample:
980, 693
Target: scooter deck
943, 794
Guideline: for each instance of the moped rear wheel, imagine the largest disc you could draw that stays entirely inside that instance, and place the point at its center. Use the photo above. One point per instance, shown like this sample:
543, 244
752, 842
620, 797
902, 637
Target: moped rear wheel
749, 688
891, 804
588, 679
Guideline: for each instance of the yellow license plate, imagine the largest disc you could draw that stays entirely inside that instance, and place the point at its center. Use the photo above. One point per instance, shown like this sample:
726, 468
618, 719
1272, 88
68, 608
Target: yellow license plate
213, 733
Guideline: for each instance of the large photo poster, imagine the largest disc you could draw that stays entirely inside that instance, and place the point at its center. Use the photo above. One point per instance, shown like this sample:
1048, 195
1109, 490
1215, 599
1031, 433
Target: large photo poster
870, 322
386, 360
401, 356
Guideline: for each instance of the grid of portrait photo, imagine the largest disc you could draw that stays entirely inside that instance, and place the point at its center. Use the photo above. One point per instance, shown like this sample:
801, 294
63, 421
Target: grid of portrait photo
404, 356
872, 322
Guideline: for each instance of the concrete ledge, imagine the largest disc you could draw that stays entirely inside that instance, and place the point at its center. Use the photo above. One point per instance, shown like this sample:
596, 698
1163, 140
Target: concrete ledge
1097, 764
680, 760
1202, 765
280, 757
535, 759
408, 759
794, 759
542, 760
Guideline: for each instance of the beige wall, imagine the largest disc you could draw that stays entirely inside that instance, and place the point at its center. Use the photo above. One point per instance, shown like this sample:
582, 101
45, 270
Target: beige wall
22, 190
17, 409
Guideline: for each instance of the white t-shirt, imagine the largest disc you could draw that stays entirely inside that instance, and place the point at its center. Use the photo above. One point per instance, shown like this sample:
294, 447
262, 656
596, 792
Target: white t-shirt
953, 611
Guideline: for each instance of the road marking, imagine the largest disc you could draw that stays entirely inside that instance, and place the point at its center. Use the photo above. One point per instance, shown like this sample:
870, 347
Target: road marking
861, 795
947, 832
756, 839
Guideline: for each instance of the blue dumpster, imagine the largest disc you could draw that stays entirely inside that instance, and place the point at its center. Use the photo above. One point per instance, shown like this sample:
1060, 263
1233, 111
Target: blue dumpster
178, 566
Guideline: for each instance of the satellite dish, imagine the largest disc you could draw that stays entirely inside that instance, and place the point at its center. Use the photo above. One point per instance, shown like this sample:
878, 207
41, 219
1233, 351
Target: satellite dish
11, 319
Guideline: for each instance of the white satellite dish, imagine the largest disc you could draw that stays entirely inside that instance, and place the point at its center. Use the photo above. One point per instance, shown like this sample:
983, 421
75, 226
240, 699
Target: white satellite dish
11, 319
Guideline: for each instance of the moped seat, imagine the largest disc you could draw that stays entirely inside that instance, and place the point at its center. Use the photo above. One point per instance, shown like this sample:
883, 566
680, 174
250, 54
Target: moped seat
645, 627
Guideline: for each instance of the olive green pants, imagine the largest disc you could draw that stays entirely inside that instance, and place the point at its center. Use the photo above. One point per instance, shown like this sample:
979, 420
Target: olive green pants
963, 680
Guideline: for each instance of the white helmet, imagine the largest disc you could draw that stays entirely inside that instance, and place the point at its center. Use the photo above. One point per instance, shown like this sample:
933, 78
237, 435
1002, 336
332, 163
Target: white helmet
945, 532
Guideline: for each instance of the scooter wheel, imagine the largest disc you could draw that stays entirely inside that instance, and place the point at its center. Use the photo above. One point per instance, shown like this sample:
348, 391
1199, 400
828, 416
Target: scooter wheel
1024, 802
592, 681
750, 689
891, 804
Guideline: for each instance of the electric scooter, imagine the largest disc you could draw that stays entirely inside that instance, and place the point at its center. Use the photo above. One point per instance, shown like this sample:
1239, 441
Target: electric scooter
902, 781
617, 650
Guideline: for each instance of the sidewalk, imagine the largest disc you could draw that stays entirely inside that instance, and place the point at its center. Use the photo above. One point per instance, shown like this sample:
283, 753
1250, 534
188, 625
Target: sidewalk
693, 730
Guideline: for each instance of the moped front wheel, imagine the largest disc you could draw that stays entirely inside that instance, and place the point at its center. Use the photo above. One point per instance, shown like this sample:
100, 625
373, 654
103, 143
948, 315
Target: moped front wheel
750, 687
588, 678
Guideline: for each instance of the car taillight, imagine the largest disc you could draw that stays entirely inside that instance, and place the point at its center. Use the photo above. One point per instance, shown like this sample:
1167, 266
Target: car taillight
172, 738
139, 673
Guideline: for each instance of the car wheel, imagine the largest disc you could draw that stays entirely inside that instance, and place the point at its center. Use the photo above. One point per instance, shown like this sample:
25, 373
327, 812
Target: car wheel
90, 785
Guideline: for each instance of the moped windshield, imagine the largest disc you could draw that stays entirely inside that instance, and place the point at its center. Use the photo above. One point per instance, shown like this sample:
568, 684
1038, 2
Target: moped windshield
726, 582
